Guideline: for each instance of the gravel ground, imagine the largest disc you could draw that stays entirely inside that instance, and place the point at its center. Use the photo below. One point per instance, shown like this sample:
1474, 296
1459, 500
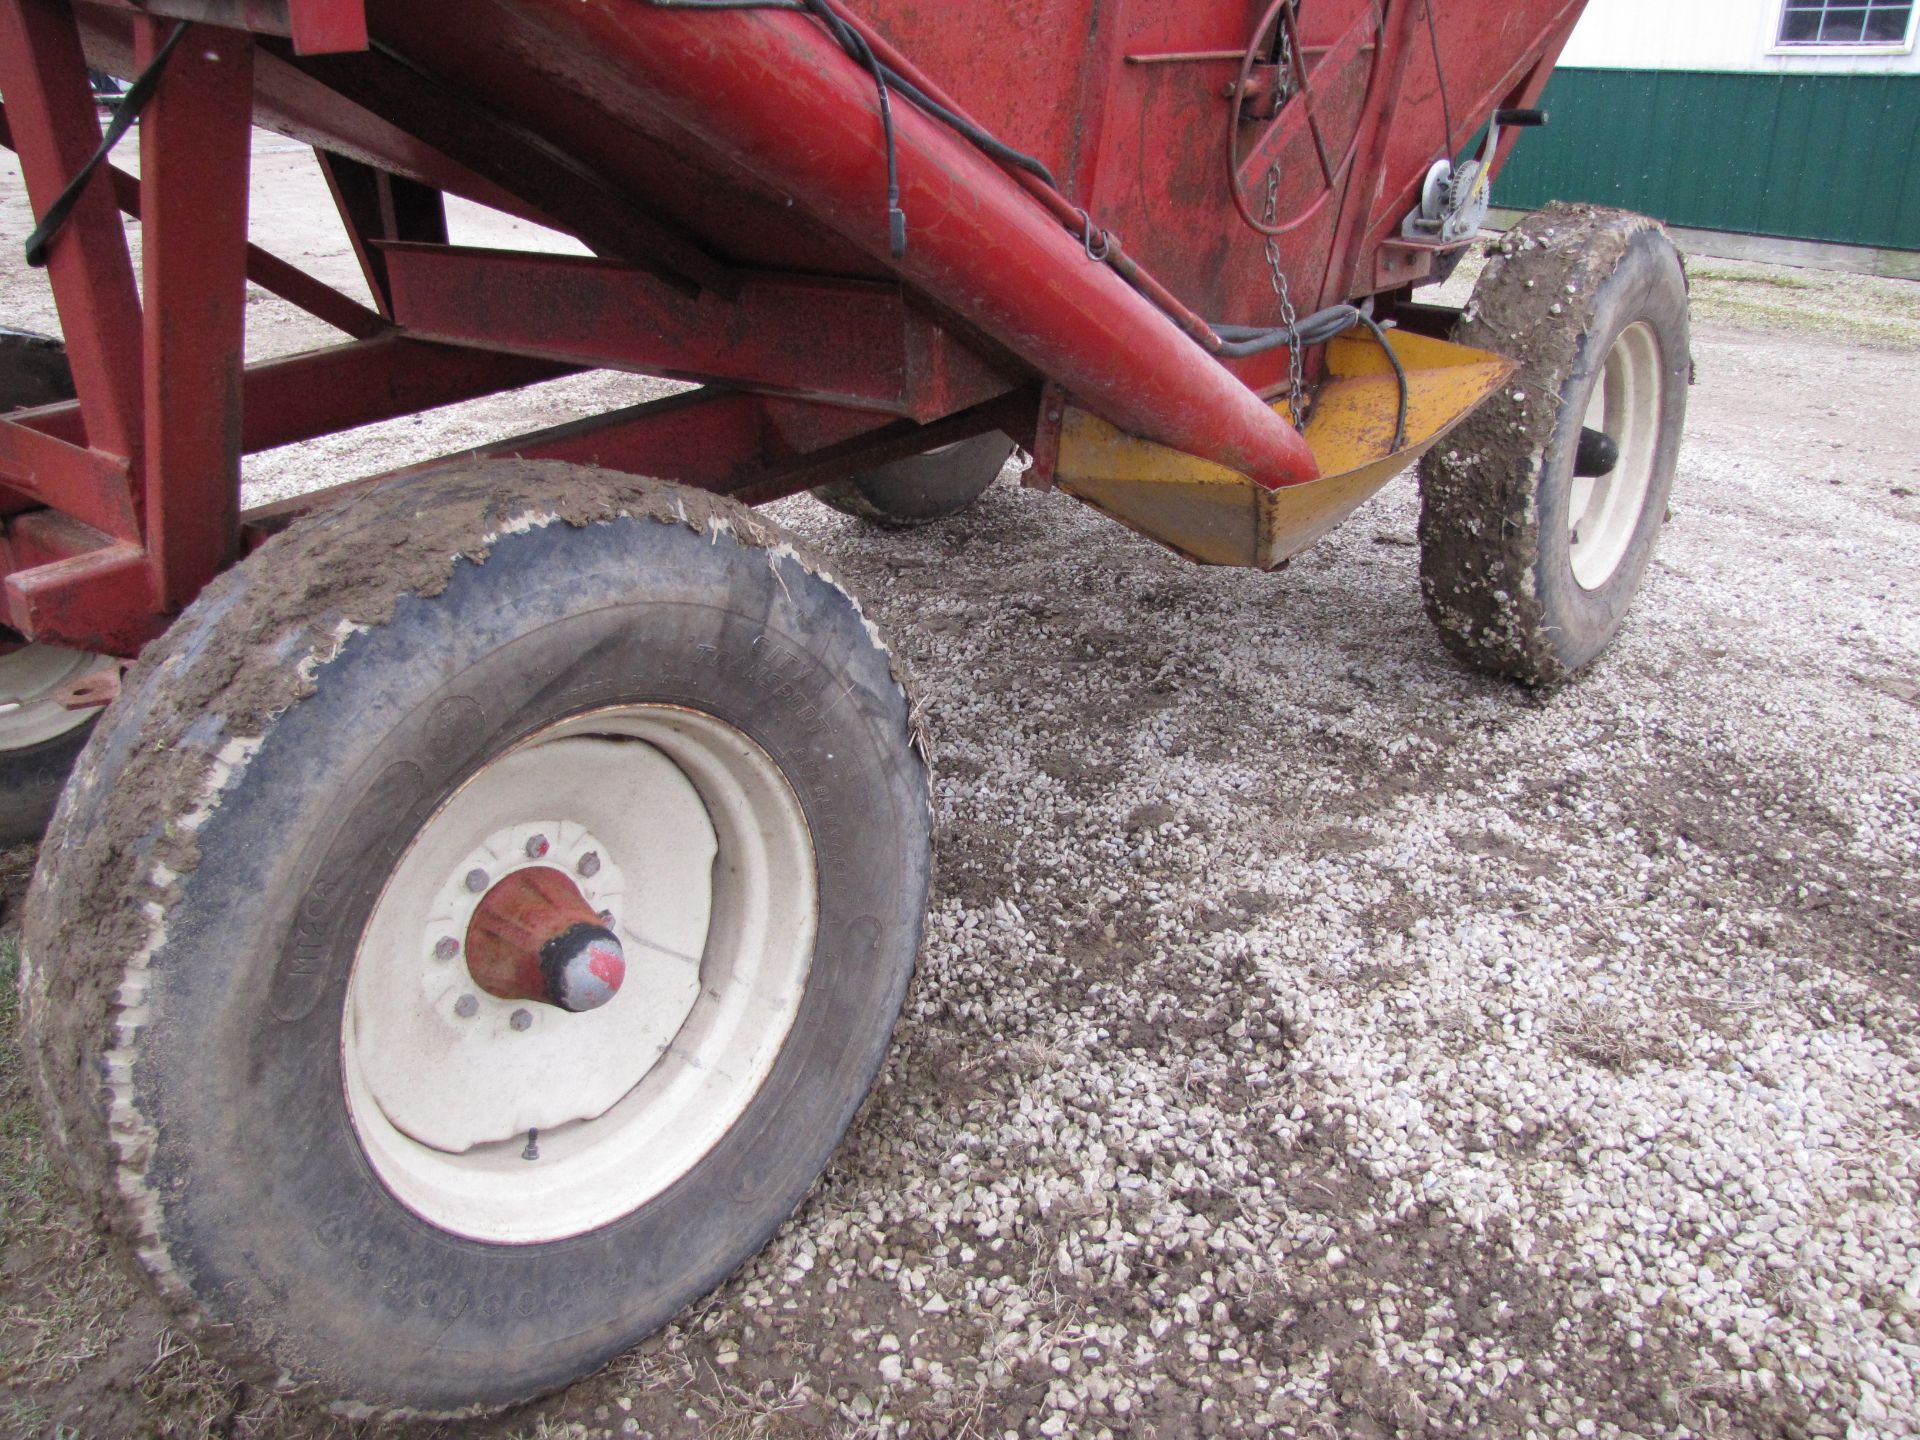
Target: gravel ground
1312, 1038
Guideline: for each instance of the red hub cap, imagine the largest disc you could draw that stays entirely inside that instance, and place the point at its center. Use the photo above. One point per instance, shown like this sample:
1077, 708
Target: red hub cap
535, 938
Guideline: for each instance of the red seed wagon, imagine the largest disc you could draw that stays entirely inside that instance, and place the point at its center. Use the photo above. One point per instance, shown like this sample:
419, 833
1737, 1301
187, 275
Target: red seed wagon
477, 918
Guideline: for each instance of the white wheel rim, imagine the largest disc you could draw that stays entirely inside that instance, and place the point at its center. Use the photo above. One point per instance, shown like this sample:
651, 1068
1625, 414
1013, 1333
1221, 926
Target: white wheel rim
29, 679
1604, 511
702, 854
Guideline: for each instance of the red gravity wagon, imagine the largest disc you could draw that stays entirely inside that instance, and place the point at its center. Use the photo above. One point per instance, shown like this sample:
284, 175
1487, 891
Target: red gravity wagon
474, 920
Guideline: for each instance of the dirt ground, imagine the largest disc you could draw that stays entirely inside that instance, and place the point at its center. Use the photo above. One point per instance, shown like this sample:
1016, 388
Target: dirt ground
1311, 1038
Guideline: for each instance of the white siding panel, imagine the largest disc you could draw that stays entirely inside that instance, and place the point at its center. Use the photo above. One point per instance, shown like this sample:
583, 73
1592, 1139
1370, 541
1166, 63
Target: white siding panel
1706, 35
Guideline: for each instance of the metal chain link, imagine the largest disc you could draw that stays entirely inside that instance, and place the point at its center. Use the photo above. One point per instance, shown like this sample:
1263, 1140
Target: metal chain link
1296, 373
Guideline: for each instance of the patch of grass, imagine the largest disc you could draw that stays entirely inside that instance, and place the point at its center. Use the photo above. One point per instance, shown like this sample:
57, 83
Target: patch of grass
60, 1300
1697, 272
29, 1190
1602, 1035
1890, 331
25, 1416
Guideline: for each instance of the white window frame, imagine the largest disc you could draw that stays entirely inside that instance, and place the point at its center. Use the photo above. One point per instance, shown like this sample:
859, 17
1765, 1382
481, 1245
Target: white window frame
1815, 49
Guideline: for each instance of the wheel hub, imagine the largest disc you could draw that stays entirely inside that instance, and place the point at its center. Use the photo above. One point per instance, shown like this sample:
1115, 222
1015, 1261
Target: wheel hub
534, 937
481, 918
487, 1096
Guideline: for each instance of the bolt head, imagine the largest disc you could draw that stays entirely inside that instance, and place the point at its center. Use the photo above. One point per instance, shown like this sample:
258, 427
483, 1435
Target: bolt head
476, 880
589, 864
521, 1020
467, 1006
536, 846
606, 918
445, 948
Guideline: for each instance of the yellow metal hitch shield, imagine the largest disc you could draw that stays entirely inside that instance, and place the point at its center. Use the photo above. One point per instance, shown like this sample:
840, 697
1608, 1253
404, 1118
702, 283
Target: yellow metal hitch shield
1219, 517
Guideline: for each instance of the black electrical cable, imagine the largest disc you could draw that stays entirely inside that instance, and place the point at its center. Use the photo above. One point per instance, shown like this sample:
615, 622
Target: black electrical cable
855, 44
131, 104
1239, 341
1399, 374
980, 139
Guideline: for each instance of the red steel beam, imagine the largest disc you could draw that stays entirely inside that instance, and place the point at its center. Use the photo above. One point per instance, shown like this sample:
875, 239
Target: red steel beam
343, 386
42, 537
841, 341
321, 391
85, 483
755, 448
700, 438
194, 155
772, 92
102, 601
55, 129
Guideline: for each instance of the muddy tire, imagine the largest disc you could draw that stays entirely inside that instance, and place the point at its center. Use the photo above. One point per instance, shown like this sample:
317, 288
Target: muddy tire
248, 992
33, 370
1528, 568
38, 740
921, 488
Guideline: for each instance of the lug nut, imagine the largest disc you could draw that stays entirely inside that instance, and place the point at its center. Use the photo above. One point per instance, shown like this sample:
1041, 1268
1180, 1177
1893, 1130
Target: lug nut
476, 880
467, 1006
589, 865
521, 1020
445, 948
536, 847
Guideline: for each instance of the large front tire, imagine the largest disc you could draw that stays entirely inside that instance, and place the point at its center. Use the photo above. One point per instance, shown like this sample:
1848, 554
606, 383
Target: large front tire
246, 981
1527, 566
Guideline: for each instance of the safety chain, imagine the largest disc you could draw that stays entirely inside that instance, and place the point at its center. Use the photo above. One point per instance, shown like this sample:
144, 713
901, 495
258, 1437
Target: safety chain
1283, 58
1296, 374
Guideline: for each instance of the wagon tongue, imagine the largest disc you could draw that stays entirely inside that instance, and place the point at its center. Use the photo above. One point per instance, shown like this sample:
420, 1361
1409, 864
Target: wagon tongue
1219, 516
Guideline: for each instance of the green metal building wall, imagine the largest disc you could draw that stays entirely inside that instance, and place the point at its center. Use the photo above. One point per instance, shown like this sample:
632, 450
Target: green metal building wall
1811, 157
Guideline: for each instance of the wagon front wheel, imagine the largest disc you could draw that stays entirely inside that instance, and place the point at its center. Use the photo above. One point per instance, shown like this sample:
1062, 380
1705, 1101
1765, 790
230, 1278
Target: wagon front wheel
1540, 512
513, 938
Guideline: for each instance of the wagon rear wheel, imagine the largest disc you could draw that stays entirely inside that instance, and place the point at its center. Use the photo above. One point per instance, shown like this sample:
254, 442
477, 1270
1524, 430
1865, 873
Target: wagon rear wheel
922, 488
511, 940
39, 736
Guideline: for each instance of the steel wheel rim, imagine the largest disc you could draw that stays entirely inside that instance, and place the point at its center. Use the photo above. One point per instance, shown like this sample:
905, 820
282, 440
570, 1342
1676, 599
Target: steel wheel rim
703, 855
1603, 513
29, 679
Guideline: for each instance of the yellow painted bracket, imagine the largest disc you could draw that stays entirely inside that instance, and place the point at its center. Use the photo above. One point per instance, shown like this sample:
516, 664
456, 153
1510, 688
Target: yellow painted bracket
1218, 516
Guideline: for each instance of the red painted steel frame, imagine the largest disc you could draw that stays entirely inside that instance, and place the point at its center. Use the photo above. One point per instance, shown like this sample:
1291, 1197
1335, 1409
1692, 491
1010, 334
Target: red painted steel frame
728, 168
193, 165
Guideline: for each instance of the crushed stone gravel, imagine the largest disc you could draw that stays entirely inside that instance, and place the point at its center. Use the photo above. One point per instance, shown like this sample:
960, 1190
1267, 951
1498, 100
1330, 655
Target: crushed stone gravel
1315, 1039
